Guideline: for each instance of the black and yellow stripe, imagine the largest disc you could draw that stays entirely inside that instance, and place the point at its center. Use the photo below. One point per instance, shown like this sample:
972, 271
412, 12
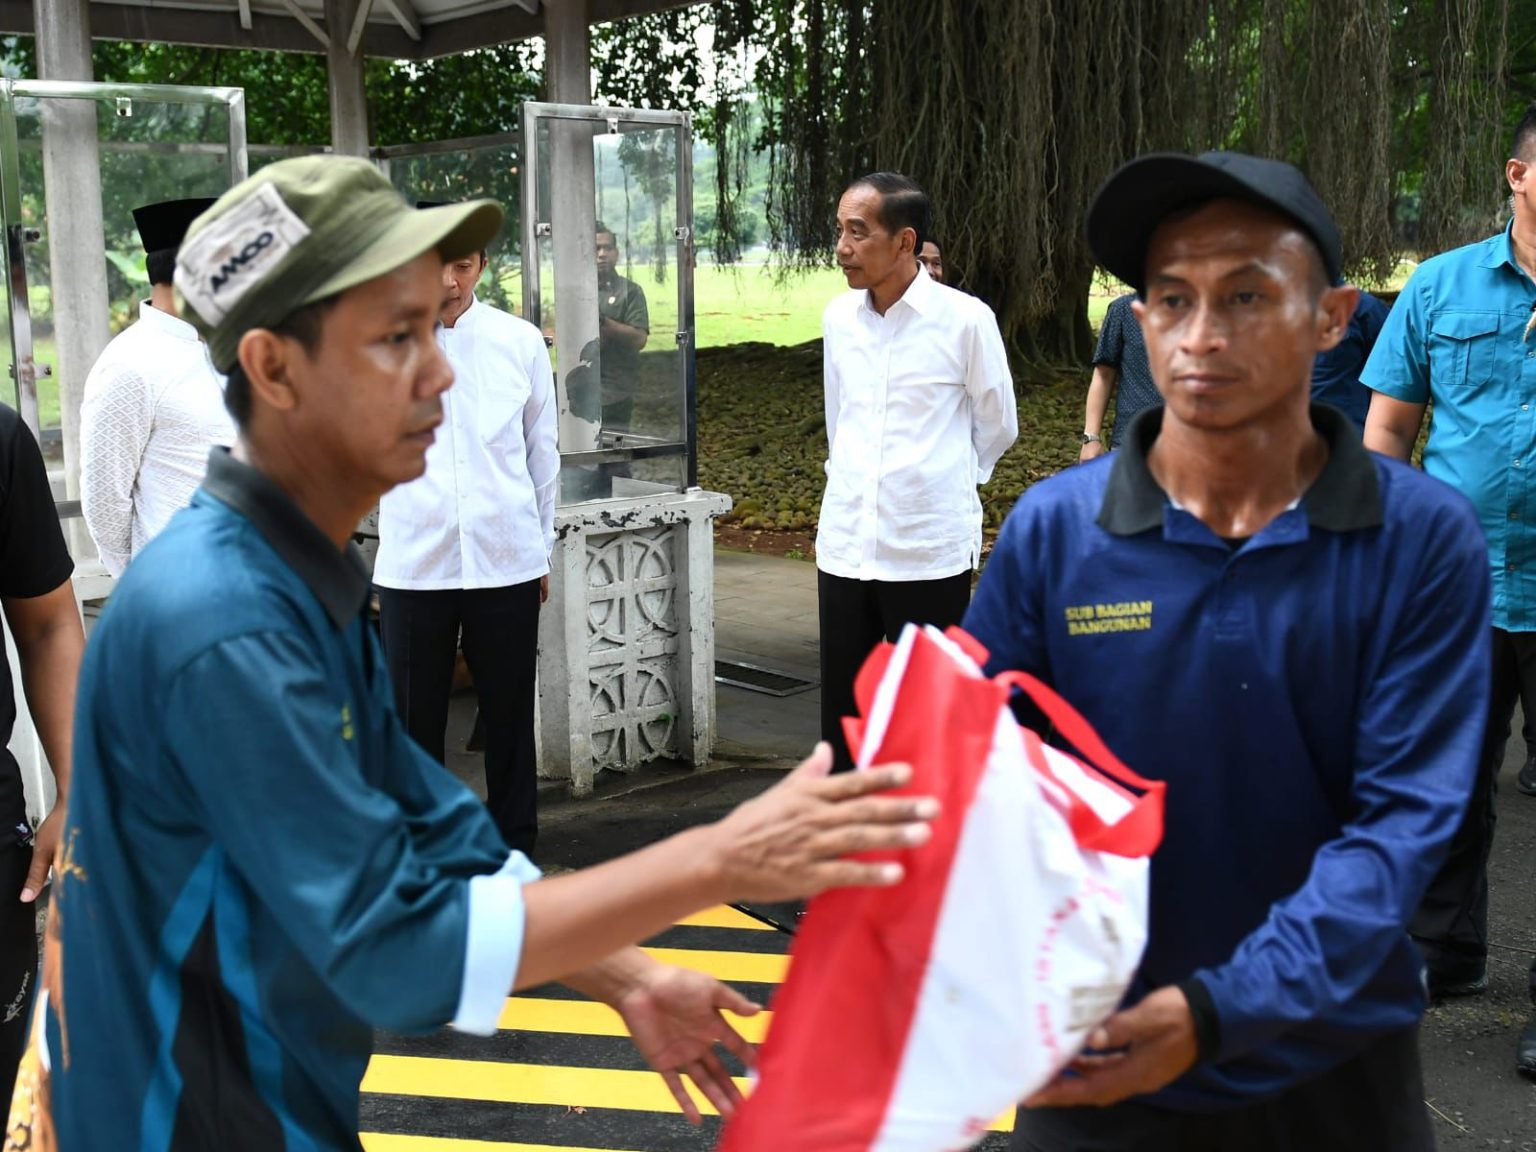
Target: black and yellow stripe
560, 1073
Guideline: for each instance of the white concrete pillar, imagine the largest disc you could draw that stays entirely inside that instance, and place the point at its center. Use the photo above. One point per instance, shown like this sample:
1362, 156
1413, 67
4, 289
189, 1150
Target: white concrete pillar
344, 70
76, 241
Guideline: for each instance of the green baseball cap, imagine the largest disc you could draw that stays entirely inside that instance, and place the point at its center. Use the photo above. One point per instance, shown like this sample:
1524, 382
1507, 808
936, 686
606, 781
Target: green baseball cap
304, 229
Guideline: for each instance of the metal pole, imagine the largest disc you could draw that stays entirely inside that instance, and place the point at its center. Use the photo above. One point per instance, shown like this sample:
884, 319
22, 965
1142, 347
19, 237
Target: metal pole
349, 104
72, 187
572, 207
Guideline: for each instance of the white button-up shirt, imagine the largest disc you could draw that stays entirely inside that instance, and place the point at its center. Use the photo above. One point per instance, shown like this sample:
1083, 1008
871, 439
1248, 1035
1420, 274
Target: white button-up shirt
483, 513
153, 408
920, 407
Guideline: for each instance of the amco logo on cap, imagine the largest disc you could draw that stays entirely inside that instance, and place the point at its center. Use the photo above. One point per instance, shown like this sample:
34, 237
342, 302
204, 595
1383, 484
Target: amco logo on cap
236, 253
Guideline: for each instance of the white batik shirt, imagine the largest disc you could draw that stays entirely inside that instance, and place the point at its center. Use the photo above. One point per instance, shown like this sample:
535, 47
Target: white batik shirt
153, 408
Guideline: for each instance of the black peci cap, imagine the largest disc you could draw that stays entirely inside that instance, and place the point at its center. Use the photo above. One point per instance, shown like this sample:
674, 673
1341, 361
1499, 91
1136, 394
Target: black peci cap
1144, 191
164, 225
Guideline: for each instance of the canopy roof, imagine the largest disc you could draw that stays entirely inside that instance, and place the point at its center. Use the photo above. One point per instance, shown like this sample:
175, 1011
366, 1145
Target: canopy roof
397, 29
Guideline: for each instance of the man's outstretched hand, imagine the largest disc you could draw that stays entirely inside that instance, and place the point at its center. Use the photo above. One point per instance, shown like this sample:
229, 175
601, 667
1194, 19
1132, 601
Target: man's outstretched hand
674, 1016
793, 841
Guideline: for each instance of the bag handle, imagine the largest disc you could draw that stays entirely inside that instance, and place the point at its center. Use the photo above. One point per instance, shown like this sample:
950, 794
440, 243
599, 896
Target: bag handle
1140, 830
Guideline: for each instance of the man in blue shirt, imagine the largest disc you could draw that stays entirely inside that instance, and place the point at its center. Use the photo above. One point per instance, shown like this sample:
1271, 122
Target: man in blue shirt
1461, 336
259, 866
1336, 372
1316, 742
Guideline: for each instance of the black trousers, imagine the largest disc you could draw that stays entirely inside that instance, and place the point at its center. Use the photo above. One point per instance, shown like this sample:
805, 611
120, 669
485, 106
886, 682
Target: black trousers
18, 961
855, 615
500, 636
1371, 1103
1528, 705
1452, 921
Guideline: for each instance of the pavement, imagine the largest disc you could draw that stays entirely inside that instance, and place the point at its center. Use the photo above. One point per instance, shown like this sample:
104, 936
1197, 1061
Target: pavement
564, 1094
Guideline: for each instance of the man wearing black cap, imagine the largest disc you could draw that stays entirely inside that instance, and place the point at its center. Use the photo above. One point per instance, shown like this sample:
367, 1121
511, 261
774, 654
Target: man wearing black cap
153, 406
1198, 595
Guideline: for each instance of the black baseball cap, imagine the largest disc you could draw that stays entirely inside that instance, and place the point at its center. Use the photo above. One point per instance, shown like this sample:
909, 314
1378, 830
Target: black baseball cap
1144, 191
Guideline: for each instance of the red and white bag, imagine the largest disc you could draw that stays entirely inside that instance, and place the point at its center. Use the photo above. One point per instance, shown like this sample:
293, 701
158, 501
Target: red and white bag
913, 1016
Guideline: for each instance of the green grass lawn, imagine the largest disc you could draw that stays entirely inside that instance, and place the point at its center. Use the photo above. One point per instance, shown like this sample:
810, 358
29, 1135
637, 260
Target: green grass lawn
749, 303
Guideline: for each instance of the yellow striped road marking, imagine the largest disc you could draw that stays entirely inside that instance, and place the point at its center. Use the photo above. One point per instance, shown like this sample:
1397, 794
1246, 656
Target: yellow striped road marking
380, 1142
587, 1018
725, 916
538, 1084
523, 1084
752, 967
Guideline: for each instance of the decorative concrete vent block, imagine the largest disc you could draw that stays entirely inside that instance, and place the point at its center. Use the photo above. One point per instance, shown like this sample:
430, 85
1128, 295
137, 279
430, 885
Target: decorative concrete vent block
627, 640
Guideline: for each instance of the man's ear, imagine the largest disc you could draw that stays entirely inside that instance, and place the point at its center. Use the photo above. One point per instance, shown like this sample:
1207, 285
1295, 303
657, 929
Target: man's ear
1334, 308
267, 360
1517, 172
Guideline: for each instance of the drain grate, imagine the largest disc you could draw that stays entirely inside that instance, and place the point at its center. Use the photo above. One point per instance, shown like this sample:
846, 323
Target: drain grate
758, 679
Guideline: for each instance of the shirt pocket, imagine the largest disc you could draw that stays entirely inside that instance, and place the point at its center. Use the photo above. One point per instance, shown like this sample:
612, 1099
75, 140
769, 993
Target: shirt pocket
1463, 349
500, 411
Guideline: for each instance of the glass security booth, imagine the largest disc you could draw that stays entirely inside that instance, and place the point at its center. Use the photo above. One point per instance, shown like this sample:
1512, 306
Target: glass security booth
626, 397
607, 252
75, 160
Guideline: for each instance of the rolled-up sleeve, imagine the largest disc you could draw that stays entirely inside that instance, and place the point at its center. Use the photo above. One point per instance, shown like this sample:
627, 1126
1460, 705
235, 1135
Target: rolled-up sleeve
493, 944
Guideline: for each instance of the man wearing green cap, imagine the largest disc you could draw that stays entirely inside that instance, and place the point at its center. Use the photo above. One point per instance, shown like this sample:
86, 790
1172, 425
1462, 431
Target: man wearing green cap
259, 866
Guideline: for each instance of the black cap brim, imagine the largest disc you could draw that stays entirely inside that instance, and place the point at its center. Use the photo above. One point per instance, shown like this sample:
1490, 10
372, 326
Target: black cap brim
1145, 191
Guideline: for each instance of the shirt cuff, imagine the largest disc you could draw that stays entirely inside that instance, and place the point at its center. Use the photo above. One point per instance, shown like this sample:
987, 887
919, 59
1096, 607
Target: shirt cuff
1202, 1010
493, 944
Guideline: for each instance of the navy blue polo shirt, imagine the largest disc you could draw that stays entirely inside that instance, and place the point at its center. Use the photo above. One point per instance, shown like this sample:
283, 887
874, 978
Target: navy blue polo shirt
259, 865
1336, 372
1314, 699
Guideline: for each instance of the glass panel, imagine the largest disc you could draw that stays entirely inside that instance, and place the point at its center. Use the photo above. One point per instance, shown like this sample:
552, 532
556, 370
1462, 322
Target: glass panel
145, 151
624, 414
471, 172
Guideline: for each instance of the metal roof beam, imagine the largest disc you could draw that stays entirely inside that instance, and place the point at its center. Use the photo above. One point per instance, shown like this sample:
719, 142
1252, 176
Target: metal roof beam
406, 16
308, 23
359, 26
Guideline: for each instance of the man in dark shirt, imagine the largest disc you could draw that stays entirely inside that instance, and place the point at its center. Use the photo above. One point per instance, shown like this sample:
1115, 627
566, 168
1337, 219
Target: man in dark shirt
40, 611
1336, 372
624, 325
1119, 364
1319, 746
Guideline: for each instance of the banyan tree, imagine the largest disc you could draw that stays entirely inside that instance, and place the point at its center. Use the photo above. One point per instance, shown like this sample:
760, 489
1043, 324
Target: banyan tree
1011, 112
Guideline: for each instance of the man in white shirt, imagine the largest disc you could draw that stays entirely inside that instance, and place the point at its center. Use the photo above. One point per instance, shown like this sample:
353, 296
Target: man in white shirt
464, 549
920, 406
153, 406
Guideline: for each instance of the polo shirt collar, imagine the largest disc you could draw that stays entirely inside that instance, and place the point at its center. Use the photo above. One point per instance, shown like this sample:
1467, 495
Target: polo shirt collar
1344, 498
165, 323
339, 580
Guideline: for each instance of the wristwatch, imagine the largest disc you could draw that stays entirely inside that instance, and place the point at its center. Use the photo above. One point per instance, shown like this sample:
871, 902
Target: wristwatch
1089, 438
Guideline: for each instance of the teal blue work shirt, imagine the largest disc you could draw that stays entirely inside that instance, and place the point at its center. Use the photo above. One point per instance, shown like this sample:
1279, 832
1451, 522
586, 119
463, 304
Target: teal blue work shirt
261, 866
1456, 337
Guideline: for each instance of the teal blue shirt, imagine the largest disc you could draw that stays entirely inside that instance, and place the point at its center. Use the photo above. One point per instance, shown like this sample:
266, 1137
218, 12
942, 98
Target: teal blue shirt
1456, 338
